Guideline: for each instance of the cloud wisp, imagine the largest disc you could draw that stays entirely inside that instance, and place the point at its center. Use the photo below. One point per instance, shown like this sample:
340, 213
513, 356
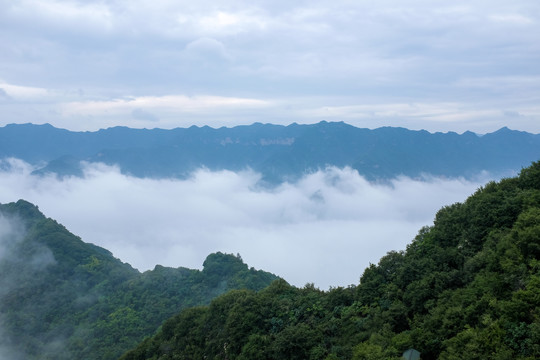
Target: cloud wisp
324, 229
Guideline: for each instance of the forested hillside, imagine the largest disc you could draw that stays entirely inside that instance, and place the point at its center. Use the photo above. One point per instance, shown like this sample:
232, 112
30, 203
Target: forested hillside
467, 287
61, 298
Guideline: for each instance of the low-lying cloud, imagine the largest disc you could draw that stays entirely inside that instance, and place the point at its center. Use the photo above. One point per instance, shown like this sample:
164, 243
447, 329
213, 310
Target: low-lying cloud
324, 229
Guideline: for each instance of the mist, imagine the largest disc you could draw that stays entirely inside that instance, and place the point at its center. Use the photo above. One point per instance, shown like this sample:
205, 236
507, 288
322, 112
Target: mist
325, 229
11, 234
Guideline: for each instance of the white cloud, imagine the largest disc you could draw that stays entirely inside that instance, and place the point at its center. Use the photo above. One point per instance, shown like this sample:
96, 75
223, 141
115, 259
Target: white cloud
326, 228
177, 102
433, 116
80, 110
150, 111
229, 23
24, 92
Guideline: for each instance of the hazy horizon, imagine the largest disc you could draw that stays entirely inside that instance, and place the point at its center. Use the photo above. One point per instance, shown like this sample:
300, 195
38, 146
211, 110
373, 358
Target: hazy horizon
258, 122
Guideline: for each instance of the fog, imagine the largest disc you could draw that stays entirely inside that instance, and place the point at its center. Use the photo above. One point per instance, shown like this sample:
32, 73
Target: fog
36, 258
324, 229
11, 233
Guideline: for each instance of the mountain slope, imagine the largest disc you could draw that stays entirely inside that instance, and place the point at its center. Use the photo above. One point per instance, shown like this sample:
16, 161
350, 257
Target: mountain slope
61, 298
278, 152
467, 287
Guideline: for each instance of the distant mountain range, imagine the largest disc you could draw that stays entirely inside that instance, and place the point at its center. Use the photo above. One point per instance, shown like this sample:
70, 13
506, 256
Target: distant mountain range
279, 153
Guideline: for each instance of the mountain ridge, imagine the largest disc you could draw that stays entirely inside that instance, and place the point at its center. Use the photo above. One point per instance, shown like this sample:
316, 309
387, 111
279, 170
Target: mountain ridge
280, 153
467, 287
57, 289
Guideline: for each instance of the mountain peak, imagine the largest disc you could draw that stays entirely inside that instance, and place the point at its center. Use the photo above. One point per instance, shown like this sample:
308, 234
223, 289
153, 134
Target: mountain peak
24, 209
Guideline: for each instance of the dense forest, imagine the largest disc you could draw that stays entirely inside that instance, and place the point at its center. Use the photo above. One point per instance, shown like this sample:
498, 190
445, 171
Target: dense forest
467, 287
61, 298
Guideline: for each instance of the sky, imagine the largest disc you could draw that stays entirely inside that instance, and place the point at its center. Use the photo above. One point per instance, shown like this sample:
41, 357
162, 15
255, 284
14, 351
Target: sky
434, 65
324, 229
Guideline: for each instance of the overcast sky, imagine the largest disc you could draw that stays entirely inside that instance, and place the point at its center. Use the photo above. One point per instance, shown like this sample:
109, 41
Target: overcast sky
421, 64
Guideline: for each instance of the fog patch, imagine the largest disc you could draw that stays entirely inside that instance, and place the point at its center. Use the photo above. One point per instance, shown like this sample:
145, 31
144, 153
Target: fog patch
10, 234
325, 228
32, 256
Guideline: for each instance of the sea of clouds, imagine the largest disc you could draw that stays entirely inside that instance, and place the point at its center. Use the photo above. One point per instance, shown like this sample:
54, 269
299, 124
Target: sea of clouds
325, 228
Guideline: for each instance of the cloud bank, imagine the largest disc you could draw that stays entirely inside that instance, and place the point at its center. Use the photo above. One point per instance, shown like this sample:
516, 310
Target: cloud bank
324, 229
